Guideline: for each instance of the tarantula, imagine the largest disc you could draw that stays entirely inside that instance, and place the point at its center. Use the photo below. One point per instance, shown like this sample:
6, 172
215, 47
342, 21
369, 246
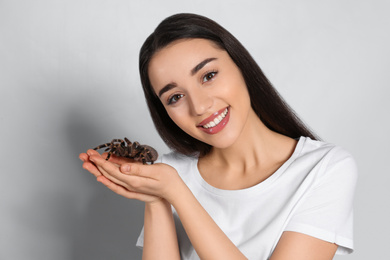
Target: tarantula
125, 148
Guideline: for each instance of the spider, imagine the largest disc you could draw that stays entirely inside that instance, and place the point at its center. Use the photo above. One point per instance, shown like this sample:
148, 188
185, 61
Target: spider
125, 148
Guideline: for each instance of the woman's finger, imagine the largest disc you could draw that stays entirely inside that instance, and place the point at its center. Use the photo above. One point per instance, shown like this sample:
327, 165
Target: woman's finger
118, 159
84, 157
91, 152
148, 179
108, 169
139, 178
101, 163
115, 187
88, 165
142, 170
113, 158
120, 190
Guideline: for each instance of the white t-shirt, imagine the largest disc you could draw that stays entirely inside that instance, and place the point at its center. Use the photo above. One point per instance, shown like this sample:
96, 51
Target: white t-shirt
311, 193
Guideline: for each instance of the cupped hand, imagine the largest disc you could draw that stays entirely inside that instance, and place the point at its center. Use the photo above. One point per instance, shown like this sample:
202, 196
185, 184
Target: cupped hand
105, 178
160, 180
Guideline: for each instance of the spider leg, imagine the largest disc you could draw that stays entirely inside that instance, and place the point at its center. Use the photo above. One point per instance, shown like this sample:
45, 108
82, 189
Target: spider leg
146, 155
143, 160
108, 155
120, 148
102, 146
128, 141
113, 149
136, 149
150, 156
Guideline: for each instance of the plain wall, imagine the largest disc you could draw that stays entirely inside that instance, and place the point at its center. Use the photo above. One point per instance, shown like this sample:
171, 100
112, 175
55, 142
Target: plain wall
69, 81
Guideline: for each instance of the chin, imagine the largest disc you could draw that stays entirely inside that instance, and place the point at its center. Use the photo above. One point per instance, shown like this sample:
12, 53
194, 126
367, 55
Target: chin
224, 141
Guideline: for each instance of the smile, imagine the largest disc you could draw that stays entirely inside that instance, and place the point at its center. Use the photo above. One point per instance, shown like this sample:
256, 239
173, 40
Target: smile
216, 122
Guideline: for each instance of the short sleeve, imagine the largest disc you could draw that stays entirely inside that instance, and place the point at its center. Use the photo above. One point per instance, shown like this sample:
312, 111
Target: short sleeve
326, 211
140, 240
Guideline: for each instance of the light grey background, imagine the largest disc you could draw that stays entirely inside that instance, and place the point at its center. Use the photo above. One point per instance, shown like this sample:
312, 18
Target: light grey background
69, 81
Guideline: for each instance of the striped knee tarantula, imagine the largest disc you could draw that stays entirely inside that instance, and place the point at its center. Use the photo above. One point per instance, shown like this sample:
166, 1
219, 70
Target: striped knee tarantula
135, 151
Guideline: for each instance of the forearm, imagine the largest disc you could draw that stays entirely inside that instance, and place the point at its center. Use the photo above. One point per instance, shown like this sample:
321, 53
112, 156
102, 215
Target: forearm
160, 240
209, 241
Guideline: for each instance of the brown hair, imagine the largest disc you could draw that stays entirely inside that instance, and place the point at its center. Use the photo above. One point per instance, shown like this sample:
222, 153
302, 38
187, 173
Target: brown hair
265, 100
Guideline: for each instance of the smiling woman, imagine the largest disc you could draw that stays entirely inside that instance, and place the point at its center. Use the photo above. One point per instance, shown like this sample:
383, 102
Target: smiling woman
265, 100
246, 179
207, 88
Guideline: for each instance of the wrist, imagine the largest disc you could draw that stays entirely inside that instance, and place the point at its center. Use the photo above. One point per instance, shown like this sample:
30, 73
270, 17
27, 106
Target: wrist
181, 197
158, 204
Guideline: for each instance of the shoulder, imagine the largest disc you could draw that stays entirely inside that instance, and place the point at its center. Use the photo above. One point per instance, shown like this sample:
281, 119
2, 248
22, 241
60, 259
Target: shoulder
313, 149
331, 161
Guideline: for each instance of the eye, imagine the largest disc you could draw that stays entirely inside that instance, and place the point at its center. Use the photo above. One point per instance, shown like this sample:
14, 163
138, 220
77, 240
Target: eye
174, 98
209, 76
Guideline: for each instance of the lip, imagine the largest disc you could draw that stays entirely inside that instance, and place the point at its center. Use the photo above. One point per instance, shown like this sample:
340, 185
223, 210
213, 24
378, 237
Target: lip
217, 128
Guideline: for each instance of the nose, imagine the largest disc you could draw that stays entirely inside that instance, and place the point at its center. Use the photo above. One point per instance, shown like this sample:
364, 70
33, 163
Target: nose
201, 101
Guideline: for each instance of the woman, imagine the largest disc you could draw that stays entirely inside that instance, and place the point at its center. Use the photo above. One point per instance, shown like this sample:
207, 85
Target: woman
246, 179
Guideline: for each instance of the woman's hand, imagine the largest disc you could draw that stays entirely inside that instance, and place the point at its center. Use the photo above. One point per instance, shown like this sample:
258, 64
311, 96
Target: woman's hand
134, 180
115, 187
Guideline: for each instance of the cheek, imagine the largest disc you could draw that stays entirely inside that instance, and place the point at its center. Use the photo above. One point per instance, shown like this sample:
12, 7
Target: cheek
179, 118
236, 90
242, 90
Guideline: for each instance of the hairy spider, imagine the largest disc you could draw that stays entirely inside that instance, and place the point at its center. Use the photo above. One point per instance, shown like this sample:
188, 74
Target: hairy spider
125, 148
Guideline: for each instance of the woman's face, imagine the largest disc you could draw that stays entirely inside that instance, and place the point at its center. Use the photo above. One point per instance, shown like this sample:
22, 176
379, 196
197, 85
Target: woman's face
202, 90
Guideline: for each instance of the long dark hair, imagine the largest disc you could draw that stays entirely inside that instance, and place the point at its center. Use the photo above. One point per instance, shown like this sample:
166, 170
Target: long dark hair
265, 100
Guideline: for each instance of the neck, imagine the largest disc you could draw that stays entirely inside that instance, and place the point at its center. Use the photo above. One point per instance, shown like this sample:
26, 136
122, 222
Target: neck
257, 147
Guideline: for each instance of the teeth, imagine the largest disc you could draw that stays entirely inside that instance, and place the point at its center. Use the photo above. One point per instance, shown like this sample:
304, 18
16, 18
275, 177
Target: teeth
216, 120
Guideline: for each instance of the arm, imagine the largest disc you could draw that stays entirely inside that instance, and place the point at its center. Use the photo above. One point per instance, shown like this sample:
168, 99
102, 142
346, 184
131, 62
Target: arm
293, 245
160, 241
207, 238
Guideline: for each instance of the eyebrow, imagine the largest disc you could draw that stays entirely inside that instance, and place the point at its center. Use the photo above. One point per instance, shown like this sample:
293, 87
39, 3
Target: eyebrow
166, 88
198, 67
201, 65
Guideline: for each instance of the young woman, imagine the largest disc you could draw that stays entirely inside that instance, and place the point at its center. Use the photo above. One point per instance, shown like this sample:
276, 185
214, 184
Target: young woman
246, 179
